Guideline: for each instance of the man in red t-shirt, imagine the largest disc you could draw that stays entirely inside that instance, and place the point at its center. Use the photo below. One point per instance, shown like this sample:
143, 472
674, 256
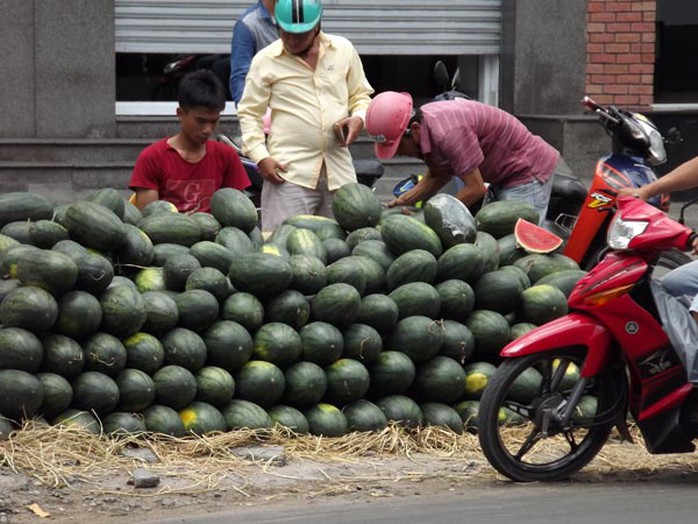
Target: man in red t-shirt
187, 168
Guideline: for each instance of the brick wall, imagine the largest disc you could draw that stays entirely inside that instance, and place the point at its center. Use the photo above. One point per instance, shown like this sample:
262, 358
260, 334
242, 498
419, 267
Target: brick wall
621, 40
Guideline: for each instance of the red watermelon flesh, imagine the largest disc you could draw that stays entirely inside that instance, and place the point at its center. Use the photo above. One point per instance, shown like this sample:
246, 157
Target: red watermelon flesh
535, 239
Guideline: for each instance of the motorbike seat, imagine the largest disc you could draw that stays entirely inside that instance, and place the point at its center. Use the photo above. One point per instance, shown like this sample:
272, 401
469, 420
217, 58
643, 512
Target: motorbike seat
569, 188
368, 167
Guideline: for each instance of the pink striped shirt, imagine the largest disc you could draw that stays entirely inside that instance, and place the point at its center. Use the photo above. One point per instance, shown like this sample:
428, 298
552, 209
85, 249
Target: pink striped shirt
459, 135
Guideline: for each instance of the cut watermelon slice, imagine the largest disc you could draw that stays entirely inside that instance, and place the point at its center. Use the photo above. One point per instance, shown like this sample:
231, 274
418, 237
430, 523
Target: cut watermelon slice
535, 239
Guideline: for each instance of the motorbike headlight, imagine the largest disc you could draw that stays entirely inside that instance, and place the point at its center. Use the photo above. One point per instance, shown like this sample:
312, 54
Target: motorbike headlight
622, 232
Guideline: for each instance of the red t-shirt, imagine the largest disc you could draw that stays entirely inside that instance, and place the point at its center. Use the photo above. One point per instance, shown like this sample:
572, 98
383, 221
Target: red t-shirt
188, 185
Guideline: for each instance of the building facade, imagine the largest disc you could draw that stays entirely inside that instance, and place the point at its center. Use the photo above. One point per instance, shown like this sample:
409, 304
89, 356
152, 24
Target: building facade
81, 73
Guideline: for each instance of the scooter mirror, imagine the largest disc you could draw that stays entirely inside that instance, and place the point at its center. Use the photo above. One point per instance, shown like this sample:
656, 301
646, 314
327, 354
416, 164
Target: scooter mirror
455, 81
441, 75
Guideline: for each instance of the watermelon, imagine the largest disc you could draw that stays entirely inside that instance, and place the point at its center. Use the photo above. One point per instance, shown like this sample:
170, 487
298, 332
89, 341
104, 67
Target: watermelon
175, 386
363, 415
378, 311
289, 307
439, 379
123, 311
337, 304
184, 347
419, 337
542, 303
144, 352
163, 420
30, 308
326, 420
305, 242
498, 291
21, 393
361, 235
177, 269
174, 228
261, 274
137, 248
198, 309
309, 274
201, 418
20, 349
402, 410
322, 343
289, 417
58, 394
347, 380
228, 344
277, 343
76, 418
104, 353
62, 355
438, 414
241, 414
23, 206
161, 312
491, 332
245, 309
499, 218
362, 342
457, 299
335, 248
416, 298
95, 391
306, 384
450, 219
402, 233
349, 271
260, 382
211, 280
477, 376
392, 373
458, 341
214, 385
123, 423
355, 205
535, 239
231, 207
417, 265
136, 390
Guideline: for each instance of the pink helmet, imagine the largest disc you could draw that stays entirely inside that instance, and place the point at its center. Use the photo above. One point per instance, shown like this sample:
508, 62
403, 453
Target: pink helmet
386, 121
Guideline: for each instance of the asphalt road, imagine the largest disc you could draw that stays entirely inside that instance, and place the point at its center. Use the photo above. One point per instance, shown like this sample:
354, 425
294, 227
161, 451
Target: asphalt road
568, 503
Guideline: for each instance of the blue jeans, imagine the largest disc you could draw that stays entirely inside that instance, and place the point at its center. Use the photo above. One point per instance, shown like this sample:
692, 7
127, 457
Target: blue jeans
682, 282
535, 193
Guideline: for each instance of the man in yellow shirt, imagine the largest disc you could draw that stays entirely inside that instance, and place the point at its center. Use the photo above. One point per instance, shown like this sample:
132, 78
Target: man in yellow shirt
318, 93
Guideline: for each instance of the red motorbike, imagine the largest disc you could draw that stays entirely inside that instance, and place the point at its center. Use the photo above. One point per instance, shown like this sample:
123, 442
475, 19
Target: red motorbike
623, 348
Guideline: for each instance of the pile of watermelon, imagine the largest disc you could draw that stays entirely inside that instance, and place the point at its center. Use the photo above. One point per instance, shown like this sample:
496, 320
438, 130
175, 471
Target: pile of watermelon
122, 321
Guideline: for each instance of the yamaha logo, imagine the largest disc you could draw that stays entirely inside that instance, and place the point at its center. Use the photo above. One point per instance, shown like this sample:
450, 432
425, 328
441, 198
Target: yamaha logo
631, 328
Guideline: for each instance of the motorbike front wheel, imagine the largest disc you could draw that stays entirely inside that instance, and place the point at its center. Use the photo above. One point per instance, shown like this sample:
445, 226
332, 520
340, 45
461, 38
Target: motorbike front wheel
530, 394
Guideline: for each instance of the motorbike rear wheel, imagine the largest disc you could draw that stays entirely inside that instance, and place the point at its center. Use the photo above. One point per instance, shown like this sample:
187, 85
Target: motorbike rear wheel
534, 445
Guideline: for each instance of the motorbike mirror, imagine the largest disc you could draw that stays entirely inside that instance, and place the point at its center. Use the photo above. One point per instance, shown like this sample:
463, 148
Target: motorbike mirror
441, 74
673, 136
455, 81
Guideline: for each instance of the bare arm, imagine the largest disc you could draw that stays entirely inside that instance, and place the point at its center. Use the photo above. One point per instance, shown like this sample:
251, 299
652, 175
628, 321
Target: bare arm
145, 197
683, 177
424, 189
474, 188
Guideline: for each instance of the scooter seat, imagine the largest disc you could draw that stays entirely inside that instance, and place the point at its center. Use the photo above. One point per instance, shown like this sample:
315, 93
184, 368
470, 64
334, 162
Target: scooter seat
569, 188
372, 168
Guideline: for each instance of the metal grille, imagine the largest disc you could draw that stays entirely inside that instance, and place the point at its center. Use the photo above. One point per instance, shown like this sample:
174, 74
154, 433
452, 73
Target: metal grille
375, 27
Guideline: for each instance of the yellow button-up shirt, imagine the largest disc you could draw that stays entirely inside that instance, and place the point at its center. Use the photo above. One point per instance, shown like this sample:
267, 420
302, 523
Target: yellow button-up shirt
304, 103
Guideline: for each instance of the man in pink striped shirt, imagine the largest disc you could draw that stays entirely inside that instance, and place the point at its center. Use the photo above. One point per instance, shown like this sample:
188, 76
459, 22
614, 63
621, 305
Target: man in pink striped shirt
475, 142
